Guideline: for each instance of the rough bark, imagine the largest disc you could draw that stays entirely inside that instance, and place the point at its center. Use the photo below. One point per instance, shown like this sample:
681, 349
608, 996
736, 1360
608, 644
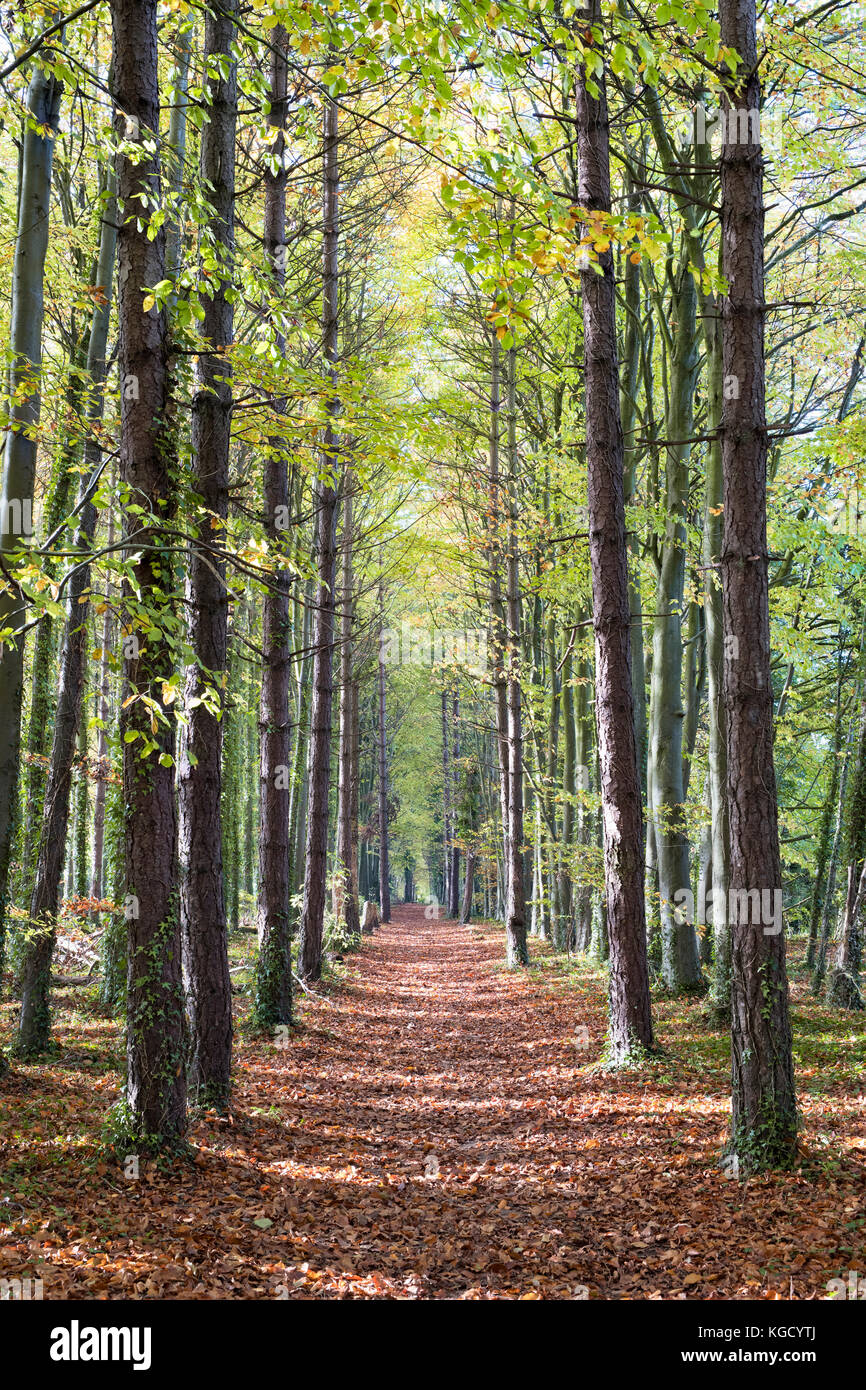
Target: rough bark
345, 876
20, 445
717, 756
325, 505
681, 967
446, 805
516, 951
156, 1081
454, 875
34, 1024
630, 1018
764, 1119
203, 912
274, 964
382, 751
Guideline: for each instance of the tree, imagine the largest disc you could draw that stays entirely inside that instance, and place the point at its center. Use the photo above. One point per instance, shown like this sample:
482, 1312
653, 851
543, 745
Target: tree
325, 509
630, 1018
764, 1118
156, 1081
20, 445
274, 965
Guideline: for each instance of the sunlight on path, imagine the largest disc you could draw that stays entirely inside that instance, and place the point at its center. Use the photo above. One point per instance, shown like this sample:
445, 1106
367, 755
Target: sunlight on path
434, 1099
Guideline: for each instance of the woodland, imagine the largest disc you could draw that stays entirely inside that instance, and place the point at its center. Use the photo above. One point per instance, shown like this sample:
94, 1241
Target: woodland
432, 650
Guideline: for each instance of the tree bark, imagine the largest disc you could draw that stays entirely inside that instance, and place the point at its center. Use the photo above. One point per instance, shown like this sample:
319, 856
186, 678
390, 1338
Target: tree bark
717, 756
203, 912
446, 807
764, 1119
346, 908
34, 1024
681, 967
630, 1018
274, 964
20, 446
156, 1081
454, 876
516, 951
384, 859
325, 506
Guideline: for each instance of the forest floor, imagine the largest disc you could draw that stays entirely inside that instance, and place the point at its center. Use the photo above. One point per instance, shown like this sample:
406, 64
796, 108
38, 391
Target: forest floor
436, 1127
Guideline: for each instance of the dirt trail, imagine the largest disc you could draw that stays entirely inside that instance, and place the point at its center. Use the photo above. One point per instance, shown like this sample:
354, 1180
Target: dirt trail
431, 1130
440, 1089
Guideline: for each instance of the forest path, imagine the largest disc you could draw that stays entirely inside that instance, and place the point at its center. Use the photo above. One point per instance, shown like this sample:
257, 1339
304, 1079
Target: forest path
434, 1103
430, 1130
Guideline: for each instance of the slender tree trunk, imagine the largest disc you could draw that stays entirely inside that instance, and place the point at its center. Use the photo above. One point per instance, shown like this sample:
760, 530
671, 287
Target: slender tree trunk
454, 876
43, 686
446, 807
274, 964
354, 797
82, 800
516, 951
629, 411
325, 506
468, 887
717, 756
825, 833
345, 876
156, 1082
843, 985
103, 761
583, 757
764, 1119
203, 913
384, 861
497, 615
566, 927
630, 1017
34, 1024
681, 967
20, 445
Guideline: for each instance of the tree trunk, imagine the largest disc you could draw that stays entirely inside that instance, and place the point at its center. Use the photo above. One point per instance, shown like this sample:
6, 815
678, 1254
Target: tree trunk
497, 616
384, 863
629, 413
325, 507
516, 952
630, 1018
19, 453
103, 760
203, 913
274, 964
681, 967
717, 756
156, 1082
825, 831
34, 1024
446, 807
468, 887
346, 908
454, 876
764, 1120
